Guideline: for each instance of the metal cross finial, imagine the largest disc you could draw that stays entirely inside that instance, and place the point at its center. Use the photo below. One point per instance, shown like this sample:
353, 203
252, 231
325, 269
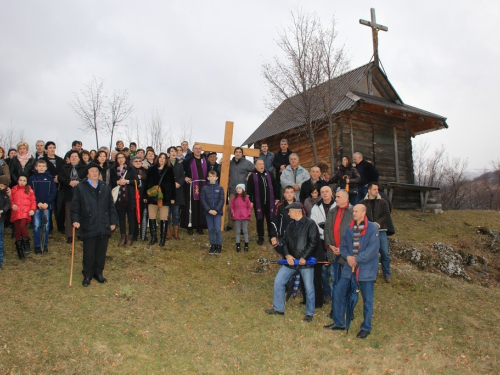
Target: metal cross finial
375, 28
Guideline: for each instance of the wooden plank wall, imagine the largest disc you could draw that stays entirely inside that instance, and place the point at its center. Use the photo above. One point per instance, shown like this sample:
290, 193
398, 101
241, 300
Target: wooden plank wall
373, 136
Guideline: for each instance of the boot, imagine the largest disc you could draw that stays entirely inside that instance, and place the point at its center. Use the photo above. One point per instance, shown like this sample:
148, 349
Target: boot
176, 232
260, 241
130, 241
152, 230
163, 232
19, 248
238, 247
169, 232
26, 245
123, 241
246, 247
218, 249
212, 249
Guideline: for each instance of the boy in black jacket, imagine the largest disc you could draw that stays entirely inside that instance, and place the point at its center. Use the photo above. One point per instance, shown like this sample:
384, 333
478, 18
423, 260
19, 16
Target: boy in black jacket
45, 190
212, 200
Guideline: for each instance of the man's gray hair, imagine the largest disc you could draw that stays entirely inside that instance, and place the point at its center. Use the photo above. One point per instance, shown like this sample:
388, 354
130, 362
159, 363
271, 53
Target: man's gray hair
284, 141
294, 154
344, 192
359, 154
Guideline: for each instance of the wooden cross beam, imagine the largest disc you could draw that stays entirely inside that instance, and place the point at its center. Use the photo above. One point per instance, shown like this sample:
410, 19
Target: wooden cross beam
227, 150
375, 28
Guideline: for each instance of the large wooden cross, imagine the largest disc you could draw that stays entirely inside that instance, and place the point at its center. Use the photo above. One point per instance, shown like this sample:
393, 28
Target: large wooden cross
375, 28
227, 150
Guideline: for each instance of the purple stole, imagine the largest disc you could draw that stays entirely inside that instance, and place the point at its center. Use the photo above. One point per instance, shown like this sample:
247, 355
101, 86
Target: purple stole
258, 205
197, 185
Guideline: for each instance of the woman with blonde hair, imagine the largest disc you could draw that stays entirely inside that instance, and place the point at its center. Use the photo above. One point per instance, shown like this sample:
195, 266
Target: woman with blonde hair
22, 163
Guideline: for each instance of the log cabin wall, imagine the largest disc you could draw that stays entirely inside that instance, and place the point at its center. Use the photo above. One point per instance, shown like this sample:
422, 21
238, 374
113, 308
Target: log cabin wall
372, 134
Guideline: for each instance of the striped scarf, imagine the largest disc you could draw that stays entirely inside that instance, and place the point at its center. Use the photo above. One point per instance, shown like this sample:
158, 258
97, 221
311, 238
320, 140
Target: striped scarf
358, 231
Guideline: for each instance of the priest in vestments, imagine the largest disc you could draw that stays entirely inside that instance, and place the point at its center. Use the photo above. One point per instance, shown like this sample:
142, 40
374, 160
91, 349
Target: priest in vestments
196, 170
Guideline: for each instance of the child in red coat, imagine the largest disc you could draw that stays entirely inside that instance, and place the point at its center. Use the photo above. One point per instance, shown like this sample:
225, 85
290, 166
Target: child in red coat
23, 205
241, 211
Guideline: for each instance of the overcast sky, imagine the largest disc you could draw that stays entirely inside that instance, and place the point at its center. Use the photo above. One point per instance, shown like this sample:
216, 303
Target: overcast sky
199, 62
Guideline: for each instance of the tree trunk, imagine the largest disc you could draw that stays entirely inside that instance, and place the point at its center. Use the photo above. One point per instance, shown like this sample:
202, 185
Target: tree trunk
97, 139
331, 143
313, 144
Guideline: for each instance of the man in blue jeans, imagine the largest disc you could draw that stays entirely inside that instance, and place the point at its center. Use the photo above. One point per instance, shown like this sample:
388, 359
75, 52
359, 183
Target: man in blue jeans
379, 213
359, 247
299, 243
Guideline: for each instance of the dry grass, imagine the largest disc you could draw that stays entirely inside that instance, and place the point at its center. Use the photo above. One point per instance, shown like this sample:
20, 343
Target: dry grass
181, 311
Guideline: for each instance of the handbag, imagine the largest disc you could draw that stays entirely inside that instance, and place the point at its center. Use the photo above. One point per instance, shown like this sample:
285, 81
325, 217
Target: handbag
155, 192
115, 192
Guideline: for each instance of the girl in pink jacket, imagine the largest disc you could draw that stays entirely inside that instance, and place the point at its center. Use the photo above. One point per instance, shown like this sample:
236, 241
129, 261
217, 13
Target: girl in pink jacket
23, 206
241, 211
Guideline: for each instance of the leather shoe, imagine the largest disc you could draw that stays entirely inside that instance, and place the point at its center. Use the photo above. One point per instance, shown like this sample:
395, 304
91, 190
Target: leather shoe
308, 319
260, 241
333, 327
86, 281
100, 278
274, 312
387, 279
362, 334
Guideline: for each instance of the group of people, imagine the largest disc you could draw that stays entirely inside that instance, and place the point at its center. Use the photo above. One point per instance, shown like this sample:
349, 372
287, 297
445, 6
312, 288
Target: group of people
89, 193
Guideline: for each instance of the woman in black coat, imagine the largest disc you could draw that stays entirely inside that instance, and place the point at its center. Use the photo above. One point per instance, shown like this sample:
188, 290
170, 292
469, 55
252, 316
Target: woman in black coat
161, 174
22, 163
175, 210
347, 175
101, 159
125, 177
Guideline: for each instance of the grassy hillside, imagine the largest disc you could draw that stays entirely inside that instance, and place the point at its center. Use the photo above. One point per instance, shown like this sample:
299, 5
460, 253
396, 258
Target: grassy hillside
180, 311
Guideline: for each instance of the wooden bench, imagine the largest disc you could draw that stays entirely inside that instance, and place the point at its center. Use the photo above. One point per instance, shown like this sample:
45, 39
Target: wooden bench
423, 190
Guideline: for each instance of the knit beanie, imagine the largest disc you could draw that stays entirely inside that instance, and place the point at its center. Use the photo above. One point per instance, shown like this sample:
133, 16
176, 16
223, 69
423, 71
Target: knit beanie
241, 186
4, 180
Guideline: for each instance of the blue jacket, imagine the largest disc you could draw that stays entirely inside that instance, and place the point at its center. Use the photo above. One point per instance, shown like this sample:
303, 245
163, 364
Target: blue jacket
367, 258
212, 198
44, 187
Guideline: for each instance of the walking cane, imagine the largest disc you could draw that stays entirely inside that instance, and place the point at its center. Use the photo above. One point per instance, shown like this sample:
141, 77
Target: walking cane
72, 256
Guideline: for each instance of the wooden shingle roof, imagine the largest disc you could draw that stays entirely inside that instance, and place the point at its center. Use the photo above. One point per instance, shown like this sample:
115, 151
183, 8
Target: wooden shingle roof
350, 89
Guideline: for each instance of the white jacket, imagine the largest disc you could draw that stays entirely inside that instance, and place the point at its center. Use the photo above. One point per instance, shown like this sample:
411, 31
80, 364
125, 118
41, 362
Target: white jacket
318, 215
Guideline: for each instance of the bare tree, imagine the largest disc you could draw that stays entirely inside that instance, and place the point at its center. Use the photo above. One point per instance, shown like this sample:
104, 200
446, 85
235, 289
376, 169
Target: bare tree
155, 135
89, 106
185, 131
310, 59
118, 111
293, 79
11, 135
333, 63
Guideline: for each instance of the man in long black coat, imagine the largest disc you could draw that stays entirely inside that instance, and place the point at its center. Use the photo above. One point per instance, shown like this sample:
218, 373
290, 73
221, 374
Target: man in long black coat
94, 212
196, 170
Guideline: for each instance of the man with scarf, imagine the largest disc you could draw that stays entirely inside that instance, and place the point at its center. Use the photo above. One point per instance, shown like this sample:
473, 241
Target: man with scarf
263, 192
196, 170
359, 247
337, 220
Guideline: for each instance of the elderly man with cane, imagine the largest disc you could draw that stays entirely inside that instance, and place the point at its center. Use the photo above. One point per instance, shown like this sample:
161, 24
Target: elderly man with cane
94, 212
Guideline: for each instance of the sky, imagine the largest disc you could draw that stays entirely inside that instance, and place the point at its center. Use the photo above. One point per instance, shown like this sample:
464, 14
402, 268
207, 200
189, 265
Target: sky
199, 63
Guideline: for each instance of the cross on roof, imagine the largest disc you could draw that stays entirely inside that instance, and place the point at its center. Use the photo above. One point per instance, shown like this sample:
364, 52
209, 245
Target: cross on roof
375, 28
